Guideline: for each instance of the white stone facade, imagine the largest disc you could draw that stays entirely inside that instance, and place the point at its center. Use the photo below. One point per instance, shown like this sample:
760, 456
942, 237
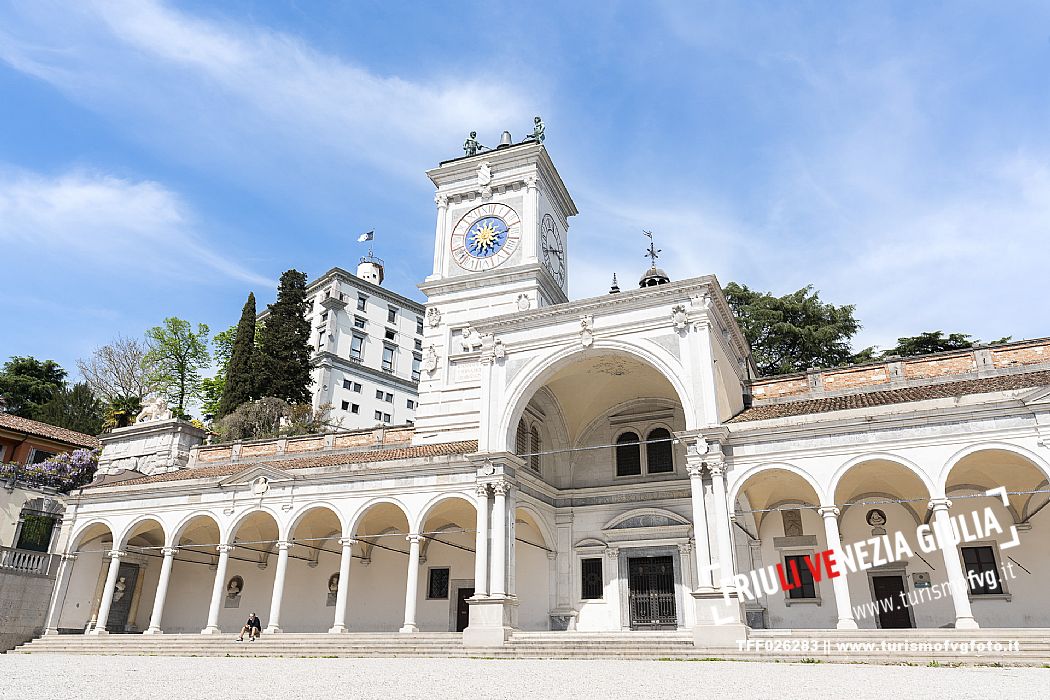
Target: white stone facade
595, 465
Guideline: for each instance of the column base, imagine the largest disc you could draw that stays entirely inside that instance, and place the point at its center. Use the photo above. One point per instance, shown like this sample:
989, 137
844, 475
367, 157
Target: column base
98, 631
272, 629
848, 624
408, 629
966, 623
493, 620
720, 622
211, 630
154, 630
51, 631
338, 629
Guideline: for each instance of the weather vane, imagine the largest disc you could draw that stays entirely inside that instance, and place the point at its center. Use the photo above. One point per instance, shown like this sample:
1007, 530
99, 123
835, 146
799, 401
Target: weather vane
653, 253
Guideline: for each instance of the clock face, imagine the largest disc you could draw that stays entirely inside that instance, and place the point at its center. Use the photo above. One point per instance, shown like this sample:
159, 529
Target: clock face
486, 237
552, 249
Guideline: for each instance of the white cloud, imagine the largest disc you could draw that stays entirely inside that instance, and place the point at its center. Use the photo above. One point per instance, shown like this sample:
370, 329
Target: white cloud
232, 93
93, 222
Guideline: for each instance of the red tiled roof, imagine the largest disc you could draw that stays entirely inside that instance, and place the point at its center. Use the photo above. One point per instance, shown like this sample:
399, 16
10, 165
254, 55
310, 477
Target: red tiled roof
869, 399
51, 432
322, 460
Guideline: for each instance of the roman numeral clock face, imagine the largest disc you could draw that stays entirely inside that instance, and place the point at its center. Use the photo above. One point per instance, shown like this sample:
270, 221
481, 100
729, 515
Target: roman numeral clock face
486, 237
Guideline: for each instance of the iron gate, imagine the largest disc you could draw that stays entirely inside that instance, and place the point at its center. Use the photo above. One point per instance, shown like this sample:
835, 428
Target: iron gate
651, 584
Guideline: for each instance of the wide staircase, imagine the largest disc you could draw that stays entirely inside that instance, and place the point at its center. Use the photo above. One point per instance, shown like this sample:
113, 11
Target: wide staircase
809, 646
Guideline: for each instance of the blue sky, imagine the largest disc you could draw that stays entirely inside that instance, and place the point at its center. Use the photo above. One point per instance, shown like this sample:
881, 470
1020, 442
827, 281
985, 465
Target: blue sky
164, 159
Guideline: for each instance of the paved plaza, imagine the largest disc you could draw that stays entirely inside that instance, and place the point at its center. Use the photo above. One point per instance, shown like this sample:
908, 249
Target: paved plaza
46, 677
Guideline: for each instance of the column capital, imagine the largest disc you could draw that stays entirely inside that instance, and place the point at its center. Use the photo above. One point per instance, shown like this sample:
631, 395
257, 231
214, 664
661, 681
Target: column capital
612, 552
284, 545
224, 548
482, 489
828, 511
68, 557
169, 551
500, 488
116, 553
552, 555
414, 539
717, 467
695, 467
347, 541
940, 504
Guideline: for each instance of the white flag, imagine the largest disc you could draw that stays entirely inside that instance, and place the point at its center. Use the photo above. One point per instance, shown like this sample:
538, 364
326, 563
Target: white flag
366, 237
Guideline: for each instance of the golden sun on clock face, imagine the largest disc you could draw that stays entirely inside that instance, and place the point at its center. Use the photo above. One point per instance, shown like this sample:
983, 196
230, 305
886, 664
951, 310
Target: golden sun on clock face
486, 237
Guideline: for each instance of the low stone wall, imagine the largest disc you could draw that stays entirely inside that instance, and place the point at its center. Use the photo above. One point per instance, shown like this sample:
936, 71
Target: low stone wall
370, 438
24, 599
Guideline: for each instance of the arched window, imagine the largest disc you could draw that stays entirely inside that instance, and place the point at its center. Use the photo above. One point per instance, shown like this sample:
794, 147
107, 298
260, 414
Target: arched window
628, 455
535, 448
659, 457
521, 438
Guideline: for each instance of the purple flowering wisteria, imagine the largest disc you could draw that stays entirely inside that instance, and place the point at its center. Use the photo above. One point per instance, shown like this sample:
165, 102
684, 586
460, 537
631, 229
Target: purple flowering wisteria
63, 472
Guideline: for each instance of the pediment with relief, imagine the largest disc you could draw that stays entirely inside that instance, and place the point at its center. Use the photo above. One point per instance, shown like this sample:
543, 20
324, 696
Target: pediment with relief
647, 523
258, 477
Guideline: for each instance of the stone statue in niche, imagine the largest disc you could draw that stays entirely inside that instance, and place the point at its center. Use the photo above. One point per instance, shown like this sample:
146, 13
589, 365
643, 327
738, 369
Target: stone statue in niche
333, 590
120, 589
792, 523
877, 519
234, 588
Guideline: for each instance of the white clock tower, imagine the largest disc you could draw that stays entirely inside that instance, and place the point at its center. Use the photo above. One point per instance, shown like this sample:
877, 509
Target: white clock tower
500, 247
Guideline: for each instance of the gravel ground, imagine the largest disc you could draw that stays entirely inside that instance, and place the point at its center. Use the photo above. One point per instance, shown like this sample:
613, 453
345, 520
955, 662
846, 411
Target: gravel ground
47, 676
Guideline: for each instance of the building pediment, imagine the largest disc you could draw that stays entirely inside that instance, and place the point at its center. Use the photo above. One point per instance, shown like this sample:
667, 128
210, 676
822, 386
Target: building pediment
646, 523
259, 477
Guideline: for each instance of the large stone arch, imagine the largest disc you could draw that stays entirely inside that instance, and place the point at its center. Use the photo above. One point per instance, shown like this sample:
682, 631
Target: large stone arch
542, 368
130, 530
92, 527
903, 462
741, 479
1036, 460
355, 520
180, 529
428, 508
299, 515
236, 523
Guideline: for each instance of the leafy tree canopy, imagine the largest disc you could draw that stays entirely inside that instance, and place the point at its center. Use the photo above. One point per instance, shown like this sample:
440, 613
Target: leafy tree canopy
212, 387
272, 417
75, 408
794, 332
117, 371
176, 356
283, 358
925, 343
26, 383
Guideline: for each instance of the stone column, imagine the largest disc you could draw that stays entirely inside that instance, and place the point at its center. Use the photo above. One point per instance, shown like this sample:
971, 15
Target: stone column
58, 600
412, 589
439, 250
722, 525
481, 544
107, 592
499, 538
274, 624
162, 590
942, 528
339, 624
217, 589
843, 604
700, 534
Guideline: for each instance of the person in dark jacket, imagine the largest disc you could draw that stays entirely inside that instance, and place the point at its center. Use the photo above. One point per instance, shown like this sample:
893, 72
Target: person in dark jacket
253, 628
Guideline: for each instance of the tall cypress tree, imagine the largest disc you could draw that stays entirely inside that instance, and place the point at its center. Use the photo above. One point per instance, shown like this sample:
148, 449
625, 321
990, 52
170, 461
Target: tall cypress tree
283, 359
240, 377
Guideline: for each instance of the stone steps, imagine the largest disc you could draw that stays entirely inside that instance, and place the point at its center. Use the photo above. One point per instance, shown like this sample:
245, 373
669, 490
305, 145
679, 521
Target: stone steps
1035, 646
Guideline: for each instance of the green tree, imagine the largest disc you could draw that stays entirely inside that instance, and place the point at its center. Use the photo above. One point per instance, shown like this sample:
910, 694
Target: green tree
283, 360
27, 383
925, 343
122, 411
175, 358
116, 371
794, 332
240, 375
212, 387
76, 408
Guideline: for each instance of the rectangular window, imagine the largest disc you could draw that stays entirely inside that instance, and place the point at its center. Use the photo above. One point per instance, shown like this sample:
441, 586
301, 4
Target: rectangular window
419, 343
356, 388
391, 314
416, 362
347, 384
411, 403
437, 584
386, 418
390, 334
389, 354
379, 415
39, 456
592, 583
361, 301
357, 344
388, 397
359, 322
981, 572
345, 405
379, 394
807, 588
419, 325
324, 316
354, 408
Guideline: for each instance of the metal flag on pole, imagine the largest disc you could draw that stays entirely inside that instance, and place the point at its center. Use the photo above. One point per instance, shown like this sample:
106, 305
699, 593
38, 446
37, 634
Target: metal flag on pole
366, 237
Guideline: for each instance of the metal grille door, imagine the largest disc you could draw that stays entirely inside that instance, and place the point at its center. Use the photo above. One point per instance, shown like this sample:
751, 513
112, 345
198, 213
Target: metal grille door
651, 583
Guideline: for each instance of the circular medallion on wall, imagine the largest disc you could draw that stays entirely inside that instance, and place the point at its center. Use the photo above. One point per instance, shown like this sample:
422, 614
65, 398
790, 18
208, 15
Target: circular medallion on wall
486, 237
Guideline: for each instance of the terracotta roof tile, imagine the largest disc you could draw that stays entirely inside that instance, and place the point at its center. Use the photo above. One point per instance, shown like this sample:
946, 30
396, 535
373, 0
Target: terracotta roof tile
322, 460
894, 396
51, 432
